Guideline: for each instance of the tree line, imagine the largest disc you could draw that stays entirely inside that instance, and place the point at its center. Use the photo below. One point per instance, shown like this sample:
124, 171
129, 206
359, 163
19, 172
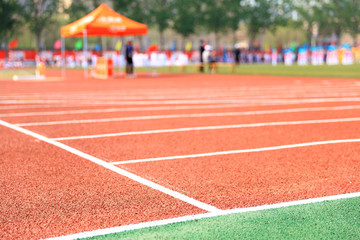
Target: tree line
318, 18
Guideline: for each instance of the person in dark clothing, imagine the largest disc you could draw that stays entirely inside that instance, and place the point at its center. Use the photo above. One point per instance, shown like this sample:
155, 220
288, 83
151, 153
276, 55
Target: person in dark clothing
129, 69
202, 49
237, 55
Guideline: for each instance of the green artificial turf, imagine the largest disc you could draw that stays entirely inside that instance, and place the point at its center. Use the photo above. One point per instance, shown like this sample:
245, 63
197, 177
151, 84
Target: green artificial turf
338, 219
9, 73
342, 71
348, 71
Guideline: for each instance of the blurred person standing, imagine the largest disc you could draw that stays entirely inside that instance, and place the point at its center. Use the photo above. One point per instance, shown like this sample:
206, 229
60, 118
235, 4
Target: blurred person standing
237, 54
202, 49
129, 51
154, 62
206, 55
213, 59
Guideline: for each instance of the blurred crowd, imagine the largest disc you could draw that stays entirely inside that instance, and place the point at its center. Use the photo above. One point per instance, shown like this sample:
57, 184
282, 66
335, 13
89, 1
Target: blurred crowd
154, 57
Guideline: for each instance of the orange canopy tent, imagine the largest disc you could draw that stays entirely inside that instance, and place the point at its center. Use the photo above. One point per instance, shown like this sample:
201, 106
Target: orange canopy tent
103, 21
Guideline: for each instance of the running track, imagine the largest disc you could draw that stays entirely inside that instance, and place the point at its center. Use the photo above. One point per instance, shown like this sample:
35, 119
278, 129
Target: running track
82, 155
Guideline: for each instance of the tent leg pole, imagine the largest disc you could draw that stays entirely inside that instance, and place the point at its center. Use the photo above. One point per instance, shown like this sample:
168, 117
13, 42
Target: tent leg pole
63, 60
85, 55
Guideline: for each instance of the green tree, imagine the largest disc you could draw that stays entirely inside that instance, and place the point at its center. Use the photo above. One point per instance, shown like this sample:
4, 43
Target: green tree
215, 16
137, 10
352, 18
337, 16
160, 15
10, 15
235, 15
262, 15
151, 12
342, 16
38, 14
80, 8
185, 17
308, 17
77, 10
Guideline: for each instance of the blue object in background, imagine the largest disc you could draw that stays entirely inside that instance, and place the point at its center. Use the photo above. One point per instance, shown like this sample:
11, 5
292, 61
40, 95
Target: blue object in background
97, 47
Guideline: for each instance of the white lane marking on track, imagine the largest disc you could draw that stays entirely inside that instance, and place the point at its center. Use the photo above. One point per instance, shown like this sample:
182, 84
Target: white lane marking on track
297, 145
218, 95
199, 101
127, 110
113, 168
193, 92
193, 115
142, 225
248, 125
247, 100
23, 114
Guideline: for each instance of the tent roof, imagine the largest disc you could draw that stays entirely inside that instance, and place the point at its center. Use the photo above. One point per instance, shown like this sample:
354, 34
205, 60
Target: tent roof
103, 21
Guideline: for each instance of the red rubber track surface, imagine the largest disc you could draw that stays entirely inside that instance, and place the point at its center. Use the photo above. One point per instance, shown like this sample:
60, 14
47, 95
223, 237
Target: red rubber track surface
214, 120
115, 149
252, 179
47, 192
63, 130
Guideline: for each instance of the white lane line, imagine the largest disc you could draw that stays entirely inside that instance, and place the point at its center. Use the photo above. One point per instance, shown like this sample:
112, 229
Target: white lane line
248, 125
142, 225
239, 151
23, 114
135, 102
193, 115
196, 101
113, 168
229, 94
246, 101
